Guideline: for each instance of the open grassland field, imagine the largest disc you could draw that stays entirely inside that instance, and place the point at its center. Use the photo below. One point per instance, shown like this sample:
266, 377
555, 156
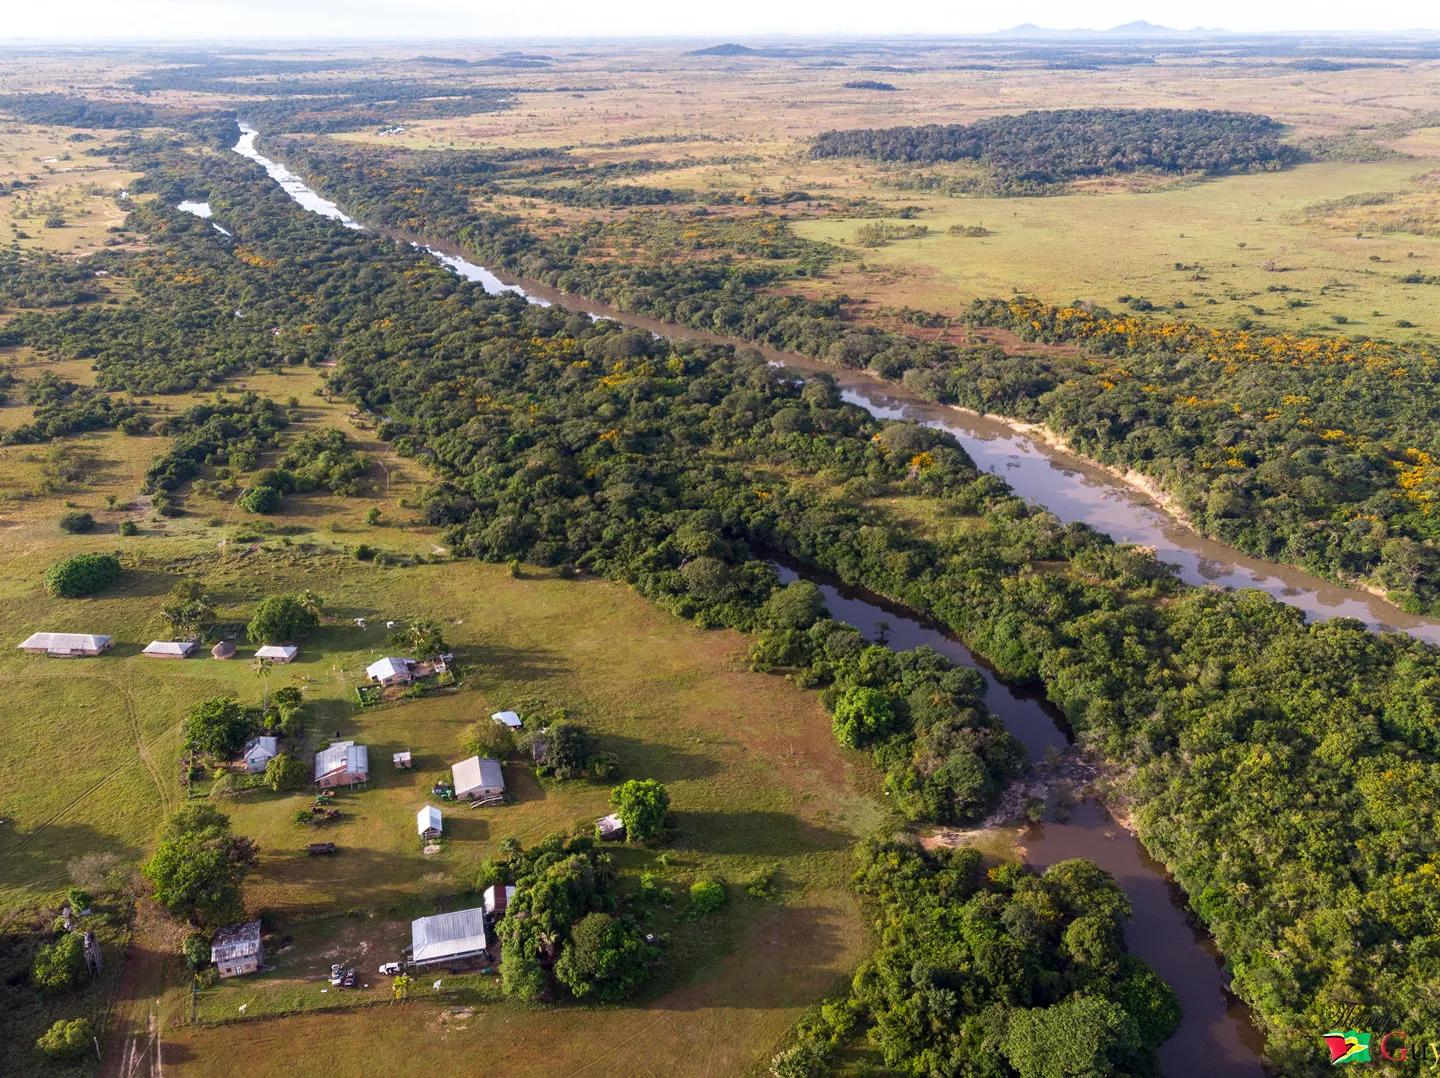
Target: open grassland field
55, 196
1215, 252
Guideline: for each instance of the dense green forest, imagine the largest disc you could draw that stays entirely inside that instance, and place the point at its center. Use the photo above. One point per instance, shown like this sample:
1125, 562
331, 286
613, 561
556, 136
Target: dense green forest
1284, 771
1035, 149
976, 970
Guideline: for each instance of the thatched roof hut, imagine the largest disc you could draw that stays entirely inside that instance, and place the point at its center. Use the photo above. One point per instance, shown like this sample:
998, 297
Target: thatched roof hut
223, 650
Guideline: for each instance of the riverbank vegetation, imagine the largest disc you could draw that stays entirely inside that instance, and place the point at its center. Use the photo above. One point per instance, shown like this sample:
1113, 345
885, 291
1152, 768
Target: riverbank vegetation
1324, 463
1003, 964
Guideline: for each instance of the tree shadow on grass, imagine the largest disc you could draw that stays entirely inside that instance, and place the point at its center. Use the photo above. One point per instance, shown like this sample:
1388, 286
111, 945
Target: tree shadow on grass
138, 583
753, 834
786, 958
502, 663
640, 758
351, 876
37, 858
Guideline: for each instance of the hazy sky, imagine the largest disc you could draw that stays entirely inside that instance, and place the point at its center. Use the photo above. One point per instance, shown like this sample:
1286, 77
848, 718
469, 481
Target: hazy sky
409, 19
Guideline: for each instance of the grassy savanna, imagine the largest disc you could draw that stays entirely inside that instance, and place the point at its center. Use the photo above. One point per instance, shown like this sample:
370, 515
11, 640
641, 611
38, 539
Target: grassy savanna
93, 747
1222, 248
58, 181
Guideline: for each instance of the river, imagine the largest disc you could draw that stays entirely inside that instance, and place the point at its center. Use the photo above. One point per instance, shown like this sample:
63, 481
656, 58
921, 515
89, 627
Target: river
1070, 488
1216, 1038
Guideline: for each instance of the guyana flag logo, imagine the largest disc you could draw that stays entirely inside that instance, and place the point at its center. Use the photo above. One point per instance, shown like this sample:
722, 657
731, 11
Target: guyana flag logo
1348, 1046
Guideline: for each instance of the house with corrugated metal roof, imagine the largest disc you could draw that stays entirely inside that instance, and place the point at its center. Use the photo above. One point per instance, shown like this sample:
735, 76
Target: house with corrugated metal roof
169, 649
344, 763
277, 653
391, 671
479, 776
236, 949
66, 645
258, 752
447, 937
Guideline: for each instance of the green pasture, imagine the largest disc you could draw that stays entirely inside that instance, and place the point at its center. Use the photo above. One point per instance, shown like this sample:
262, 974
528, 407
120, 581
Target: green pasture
1247, 236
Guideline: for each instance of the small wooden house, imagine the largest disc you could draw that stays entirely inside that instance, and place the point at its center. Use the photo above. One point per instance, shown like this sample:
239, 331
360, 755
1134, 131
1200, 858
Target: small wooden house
428, 822
497, 899
277, 653
236, 949
401, 761
344, 763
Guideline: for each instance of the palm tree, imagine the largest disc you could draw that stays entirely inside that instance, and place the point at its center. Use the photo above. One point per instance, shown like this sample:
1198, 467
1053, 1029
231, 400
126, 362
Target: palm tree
402, 985
311, 602
262, 670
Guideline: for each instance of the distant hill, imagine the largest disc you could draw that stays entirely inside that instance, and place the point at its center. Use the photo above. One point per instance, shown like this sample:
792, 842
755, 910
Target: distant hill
724, 50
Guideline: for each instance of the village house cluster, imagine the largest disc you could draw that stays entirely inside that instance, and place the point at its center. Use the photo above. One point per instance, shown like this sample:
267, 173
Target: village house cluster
88, 645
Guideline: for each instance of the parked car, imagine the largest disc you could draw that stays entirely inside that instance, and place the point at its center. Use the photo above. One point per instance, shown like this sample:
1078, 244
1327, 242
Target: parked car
390, 969
337, 973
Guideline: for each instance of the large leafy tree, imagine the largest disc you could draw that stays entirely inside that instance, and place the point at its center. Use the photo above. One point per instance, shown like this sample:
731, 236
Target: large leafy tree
66, 1039
863, 715
285, 772
643, 805
200, 866
218, 726
1088, 1037
282, 618
80, 575
604, 958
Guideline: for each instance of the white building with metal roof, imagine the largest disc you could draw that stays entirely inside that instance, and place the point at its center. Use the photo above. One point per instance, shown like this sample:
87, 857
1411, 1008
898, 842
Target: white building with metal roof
447, 937
66, 645
479, 776
258, 752
277, 653
344, 763
170, 649
507, 718
428, 823
391, 671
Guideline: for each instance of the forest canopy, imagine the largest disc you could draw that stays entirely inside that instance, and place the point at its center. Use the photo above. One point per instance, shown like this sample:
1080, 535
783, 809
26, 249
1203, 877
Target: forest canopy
1059, 145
